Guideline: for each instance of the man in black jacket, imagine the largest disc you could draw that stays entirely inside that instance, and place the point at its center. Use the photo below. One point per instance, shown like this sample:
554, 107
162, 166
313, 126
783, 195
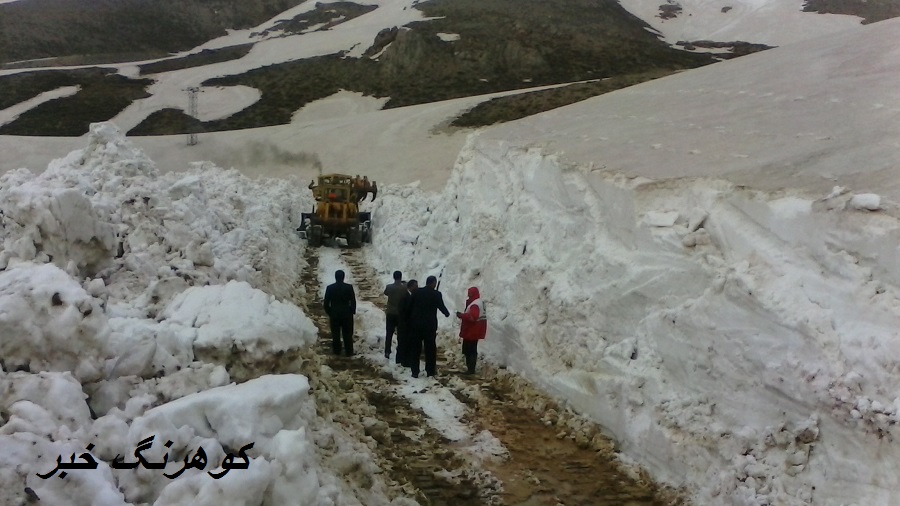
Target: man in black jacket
340, 306
423, 307
403, 330
395, 292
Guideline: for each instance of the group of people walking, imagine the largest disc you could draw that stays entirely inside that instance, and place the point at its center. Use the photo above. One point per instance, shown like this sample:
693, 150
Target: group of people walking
411, 313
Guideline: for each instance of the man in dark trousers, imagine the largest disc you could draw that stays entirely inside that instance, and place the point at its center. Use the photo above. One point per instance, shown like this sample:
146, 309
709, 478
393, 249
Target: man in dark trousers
423, 307
472, 328
340, 306
403, 330
394, 291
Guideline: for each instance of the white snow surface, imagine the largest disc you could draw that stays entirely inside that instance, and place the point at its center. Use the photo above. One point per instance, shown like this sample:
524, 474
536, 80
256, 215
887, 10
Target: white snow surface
730, 320
113, 277
419, 132
770, 22
704, 264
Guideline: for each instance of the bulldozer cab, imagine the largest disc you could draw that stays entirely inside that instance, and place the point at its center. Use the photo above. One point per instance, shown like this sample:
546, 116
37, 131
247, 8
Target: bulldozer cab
336, 213
333, 188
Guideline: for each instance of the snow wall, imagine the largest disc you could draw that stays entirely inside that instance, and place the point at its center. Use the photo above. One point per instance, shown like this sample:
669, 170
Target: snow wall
115, 283
741, 344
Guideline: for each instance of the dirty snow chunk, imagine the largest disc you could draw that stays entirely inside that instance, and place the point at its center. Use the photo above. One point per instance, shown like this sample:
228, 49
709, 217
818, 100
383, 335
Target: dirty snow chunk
144, 347
188, 185
246, 488
661, 219
865, 202
108, 155
486, 446
237, 314
835, 192
63, 222
274, 412
48, 322
696, 218
44, 401
698, 238
235, 415
19, 464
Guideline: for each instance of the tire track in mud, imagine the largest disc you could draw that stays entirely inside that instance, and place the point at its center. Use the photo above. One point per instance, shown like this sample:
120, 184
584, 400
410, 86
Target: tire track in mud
418, 462
556, 457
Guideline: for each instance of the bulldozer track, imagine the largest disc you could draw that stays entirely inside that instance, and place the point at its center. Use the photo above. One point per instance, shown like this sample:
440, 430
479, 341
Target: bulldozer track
554, 456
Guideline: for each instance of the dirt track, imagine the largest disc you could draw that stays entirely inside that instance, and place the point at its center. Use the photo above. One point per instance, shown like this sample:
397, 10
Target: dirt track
552, 456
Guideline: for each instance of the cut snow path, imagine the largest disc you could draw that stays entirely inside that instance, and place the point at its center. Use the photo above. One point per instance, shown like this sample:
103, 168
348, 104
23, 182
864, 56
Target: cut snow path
506, 442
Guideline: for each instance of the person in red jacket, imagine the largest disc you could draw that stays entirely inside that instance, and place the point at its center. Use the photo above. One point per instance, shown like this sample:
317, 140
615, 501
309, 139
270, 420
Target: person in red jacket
472, 328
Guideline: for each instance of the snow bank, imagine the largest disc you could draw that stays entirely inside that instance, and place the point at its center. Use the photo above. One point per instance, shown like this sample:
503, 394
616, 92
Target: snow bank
237, 315
736, 342
112, 278
48, 322
272, 412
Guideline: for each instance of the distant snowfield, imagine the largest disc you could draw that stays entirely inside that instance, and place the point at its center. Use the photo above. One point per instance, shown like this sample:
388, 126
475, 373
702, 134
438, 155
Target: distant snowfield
223, 101
341, 133
341, 104
771, 22
812, 115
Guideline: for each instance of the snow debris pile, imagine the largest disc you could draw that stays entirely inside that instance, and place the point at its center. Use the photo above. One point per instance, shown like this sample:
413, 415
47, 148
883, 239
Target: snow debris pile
739, 343
112, 279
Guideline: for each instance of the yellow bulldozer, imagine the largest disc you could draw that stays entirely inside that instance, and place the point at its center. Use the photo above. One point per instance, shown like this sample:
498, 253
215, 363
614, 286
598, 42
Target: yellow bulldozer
336, 213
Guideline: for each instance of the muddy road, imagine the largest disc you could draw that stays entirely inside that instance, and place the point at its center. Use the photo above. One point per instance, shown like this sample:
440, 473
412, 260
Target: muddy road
503, 442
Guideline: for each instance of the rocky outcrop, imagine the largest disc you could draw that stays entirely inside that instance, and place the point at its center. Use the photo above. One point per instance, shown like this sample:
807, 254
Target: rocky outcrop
384, 37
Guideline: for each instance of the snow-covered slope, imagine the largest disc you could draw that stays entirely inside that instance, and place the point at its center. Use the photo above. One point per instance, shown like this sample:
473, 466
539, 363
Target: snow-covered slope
813, 114
770, 22
664, 260
335, 140
116, 282
671, 260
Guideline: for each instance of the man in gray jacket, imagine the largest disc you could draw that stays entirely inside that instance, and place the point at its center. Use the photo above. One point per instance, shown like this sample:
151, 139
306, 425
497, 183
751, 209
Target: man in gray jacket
395, 292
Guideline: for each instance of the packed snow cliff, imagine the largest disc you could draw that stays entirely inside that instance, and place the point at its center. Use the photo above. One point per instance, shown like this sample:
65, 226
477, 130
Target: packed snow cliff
700, 264
739, 343
115, 282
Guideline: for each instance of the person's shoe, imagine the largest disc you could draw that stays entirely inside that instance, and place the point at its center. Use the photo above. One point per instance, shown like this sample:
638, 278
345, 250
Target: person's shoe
415, 375
350, 354
387, 354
